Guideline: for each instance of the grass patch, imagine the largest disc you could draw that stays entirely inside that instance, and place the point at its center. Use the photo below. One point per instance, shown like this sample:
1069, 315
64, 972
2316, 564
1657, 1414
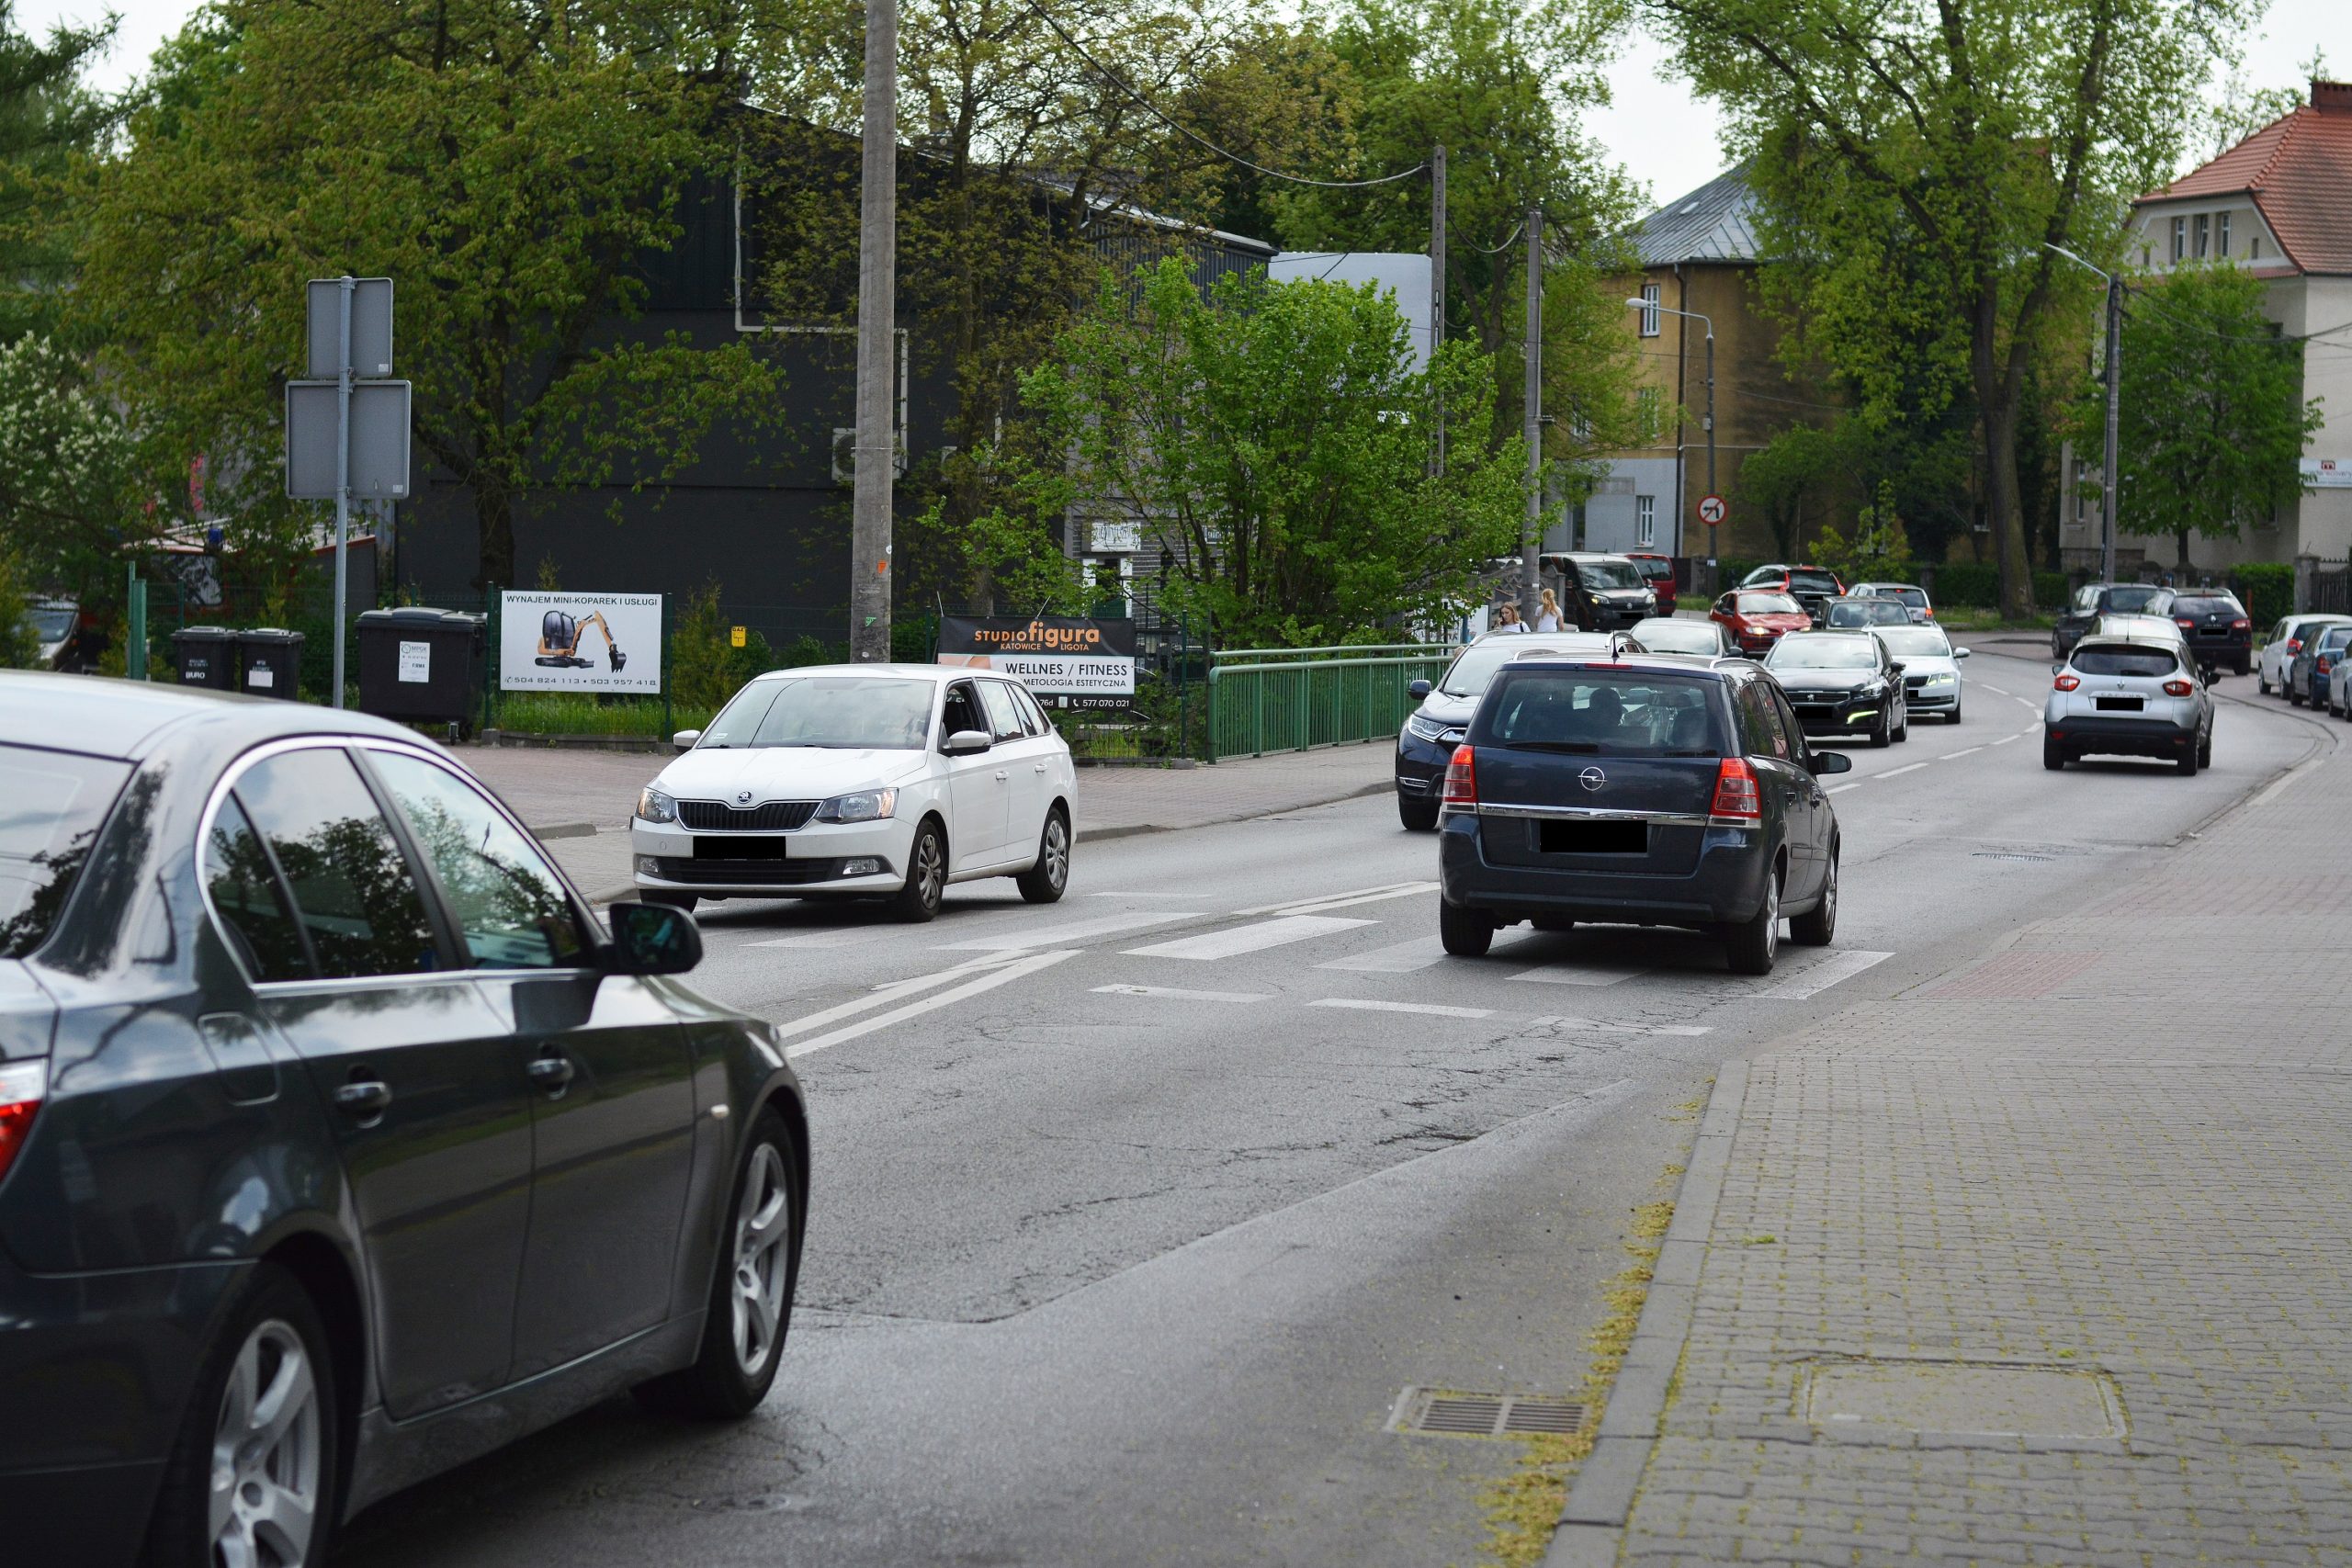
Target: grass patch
1969, 618
579, 712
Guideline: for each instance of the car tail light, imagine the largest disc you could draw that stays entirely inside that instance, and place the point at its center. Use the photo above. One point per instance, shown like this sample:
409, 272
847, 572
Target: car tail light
1461, 779
2242, 626
23, 1086
2178, 688
2067, 682
1735, 793
2184, 621
2323, 666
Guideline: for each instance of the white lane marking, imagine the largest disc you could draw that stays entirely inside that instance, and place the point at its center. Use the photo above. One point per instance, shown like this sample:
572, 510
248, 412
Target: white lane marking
1070, 935
1963, 751
986, 979
1685, 1030
1575, 975
2283, 780
884, 994
1840, 789
2005, 739
1431, 1009
1333, 900
2025, 702
1898, 773
1990, 687
1172, 994
1239, 940
1829, 972
1398, 958
845, 936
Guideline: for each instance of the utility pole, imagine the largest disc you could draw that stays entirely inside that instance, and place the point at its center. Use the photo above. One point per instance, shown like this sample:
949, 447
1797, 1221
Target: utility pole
1437, 284
877, 248
2114, 420
344, 285
1711, 438
1532, 540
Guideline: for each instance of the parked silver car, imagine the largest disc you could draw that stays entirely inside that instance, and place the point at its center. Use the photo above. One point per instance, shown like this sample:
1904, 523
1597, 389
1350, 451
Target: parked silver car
2128, 696
2274, 664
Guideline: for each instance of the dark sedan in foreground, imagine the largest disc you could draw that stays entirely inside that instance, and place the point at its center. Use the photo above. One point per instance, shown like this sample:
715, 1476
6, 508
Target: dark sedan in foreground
339, 1143
1639, 791
1844, 683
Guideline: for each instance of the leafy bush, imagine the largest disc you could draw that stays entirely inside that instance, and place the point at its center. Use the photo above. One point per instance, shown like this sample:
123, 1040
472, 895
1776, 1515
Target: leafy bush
704, 667
2049, 590
1967, 584
2266, 588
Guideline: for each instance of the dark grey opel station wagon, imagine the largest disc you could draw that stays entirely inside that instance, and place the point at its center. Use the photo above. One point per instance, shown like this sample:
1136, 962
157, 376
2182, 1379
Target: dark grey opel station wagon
339, 1143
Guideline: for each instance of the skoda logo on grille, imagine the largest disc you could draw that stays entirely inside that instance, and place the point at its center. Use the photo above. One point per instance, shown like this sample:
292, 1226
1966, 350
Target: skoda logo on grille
1592, 778
743, 797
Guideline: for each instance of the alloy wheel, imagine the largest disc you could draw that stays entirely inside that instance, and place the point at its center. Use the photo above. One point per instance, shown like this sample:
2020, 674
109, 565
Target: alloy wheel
762, 1236
931, 870
1771, 919
264, 1501
1056, 852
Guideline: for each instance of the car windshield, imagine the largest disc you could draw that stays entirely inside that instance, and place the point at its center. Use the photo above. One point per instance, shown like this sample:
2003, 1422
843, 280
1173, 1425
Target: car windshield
1605, 712
1475, 665
2114, 660
1914, 642
51, 806
1766, 605
2135, 598
1610, 574
1665, 636
849, 712
52, 625
2334, 637
1803, 582
1915, 597
2208, 605
1823, 654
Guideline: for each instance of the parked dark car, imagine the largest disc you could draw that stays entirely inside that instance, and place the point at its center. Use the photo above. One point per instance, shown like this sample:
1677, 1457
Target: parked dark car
1601, 592
1811, 586
2307, 676
1843, 682
1660, 569
2218, 630
1426, 742
2093, 600
339, 1143
1640, 791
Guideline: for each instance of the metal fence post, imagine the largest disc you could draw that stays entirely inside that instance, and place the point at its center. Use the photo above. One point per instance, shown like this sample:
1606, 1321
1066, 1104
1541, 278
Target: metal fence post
667, 720
134, 649
490, 654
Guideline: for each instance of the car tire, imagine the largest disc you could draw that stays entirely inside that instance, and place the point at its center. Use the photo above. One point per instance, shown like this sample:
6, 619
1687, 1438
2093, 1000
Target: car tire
1042, 883
674, 900
272, 1352
2205, 750
753, 1281
1904, 733
2262, 684
1751, 945
2242, 666
2053, 756
1882, 734
1953, 717
2294, 697
1466, 933
1417, 816
1818, 925
926, 882
2188, 762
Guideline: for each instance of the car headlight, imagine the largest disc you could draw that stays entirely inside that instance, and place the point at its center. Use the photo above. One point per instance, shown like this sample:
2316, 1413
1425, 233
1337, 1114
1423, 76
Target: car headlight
861, 805
655, 806
1426, 729
1943, 680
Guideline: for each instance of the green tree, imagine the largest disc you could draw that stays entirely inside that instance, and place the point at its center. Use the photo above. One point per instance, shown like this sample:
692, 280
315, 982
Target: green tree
1878, 548
505, 162
1798, 468
68, 490
1277, 437
1917, 160
46, 117
2212, 417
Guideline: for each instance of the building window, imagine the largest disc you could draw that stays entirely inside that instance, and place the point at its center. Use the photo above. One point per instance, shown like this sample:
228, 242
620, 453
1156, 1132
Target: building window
1646, 413
1650, 314
2179, 238
2221, 241
2204, 225
2254, 249
1645, 520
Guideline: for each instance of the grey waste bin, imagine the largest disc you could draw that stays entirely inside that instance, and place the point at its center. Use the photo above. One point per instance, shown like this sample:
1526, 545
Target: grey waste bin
269, 661
206, 656
420, 663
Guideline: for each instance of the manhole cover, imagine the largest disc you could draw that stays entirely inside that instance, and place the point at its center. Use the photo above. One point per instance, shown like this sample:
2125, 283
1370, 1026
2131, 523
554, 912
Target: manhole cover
1445, 1413
1961, 1397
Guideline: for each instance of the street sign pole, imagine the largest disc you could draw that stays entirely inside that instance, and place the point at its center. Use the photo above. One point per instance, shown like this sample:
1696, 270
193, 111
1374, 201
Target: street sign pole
342, 474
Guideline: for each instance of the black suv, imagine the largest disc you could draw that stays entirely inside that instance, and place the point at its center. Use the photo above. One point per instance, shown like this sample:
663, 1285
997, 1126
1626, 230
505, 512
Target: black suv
2093, 600
1646, 791
2216, 627
1600, 592
339, 1143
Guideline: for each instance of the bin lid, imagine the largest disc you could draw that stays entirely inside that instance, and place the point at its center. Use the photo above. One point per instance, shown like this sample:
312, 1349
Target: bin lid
201, 634
420, 616
268, 633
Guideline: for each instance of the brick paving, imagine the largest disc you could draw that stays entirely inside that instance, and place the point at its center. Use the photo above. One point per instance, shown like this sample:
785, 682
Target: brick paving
2122, 1149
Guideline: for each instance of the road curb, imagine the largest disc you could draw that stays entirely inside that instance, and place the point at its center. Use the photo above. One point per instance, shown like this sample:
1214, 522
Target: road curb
1136, 829
1592, 1521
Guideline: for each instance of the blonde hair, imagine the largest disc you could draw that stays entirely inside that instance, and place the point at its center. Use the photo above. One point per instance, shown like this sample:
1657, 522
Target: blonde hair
1550, 602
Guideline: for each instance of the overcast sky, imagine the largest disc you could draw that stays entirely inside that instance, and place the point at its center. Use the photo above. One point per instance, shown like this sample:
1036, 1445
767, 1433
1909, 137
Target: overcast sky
1669, 139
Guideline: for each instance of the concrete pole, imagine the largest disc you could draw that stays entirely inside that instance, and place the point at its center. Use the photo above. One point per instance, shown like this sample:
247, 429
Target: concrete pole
2114, 422
1531, 541
876, 451
1437, 284
342, 476
1710, 438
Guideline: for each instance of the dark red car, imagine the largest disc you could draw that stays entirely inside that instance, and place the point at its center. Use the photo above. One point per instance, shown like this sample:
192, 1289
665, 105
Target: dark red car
1811, 586
1660, 569
1758, 618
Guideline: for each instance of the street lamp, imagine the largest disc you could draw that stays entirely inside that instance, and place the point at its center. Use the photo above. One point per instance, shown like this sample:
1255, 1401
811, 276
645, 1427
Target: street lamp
1647, 305
2114, 403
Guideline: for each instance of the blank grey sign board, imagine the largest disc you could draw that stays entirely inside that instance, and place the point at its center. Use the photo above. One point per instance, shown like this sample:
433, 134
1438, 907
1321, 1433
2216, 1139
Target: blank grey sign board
378, 440
371, 326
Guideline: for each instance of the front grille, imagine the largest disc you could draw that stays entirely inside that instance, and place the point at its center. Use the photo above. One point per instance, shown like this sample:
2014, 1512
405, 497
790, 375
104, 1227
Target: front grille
769, 817
745, 873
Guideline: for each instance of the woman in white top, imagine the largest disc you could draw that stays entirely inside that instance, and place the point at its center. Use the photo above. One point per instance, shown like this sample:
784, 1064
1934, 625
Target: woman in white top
1547, 614
1506, 617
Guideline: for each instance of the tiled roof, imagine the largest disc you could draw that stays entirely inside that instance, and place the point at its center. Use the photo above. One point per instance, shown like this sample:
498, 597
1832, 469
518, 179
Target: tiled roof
2298, 170
1713, 224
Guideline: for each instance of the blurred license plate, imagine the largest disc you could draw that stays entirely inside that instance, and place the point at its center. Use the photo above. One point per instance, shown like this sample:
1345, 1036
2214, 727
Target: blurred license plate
738, 846
1593, 838
2121, 705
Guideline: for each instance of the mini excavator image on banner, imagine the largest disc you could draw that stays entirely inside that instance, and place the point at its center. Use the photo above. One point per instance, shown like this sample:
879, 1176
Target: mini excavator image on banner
559, 642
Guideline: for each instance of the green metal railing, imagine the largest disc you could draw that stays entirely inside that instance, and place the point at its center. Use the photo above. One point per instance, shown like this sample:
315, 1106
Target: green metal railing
1293, 699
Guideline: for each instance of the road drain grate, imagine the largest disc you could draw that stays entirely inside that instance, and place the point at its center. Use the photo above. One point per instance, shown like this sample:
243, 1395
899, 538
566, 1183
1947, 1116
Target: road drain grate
1436, 1413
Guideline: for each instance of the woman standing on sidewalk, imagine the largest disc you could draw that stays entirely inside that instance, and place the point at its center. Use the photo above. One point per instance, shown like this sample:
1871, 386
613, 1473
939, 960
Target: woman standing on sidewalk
1547, 612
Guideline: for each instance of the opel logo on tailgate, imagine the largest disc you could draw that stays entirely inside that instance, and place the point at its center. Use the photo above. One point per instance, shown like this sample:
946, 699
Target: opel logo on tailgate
1592, 778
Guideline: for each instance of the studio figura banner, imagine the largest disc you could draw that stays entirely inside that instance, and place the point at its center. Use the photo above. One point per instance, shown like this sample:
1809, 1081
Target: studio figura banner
1091, 662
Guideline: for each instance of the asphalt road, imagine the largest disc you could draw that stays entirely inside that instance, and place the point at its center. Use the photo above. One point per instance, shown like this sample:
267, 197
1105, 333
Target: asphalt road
1133, 1215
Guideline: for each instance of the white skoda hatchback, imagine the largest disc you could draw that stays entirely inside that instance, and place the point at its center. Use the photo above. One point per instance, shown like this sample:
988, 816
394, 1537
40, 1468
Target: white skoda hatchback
850, 780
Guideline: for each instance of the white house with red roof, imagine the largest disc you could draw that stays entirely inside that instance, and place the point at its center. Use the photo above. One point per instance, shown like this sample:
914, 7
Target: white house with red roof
2280, 204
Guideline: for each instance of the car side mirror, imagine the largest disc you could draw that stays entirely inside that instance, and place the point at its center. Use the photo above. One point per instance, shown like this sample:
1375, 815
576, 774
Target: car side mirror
653, 938
1418, 689
967, 743
684, 740
1959, 654
2058, 668
1895, 667
1831, 762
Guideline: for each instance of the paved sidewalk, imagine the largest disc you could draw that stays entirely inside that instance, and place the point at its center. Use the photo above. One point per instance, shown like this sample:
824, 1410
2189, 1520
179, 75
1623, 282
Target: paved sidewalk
2048, 1260
582, 799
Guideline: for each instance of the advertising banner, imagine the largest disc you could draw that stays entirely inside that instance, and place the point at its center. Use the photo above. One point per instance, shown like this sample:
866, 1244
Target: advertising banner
2327, 473
1090, 662
580, 642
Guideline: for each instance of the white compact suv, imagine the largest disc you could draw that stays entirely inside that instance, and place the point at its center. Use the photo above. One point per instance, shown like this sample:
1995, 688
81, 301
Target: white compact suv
2128, 696
849, 780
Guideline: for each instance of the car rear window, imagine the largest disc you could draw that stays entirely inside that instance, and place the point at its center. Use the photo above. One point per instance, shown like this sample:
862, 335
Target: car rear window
2124, 662
2135, 600
1812, 582
2221, 604
52, 803
1602, 713
1655, 570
